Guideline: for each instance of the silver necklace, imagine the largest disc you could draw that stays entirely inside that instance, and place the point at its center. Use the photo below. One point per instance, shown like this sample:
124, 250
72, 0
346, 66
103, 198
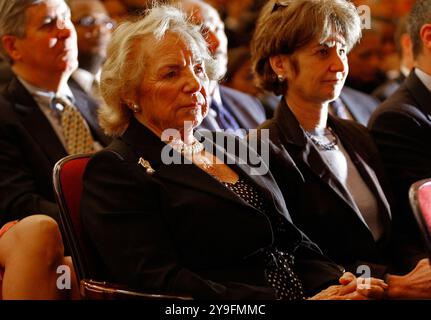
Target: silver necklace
324, 146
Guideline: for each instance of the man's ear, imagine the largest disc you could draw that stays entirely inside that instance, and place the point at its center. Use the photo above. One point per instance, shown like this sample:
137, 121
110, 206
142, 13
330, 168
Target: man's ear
9, 43
425, 34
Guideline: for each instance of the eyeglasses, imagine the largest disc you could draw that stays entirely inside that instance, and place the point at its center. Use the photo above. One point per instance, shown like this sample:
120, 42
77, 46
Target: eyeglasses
90, 21
279, 4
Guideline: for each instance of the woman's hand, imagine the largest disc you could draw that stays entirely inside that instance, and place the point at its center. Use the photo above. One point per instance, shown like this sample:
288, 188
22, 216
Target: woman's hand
352, 288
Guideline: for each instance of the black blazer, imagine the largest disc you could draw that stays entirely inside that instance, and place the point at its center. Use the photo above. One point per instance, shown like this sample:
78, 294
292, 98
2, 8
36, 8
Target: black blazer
29, 149
179, 230
318, 202
401, 128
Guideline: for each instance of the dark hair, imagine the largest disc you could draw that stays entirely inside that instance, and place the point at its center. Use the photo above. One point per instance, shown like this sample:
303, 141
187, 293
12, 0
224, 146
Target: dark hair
419, 15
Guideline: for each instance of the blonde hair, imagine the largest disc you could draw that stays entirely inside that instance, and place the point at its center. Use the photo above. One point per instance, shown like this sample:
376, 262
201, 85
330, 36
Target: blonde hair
123, 72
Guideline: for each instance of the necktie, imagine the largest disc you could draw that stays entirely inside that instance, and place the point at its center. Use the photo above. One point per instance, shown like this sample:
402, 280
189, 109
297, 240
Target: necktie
339, 109
95, 89
224, 119
76, 133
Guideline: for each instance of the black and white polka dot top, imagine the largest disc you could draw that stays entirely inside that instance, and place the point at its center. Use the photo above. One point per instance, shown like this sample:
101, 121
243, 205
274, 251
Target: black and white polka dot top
279, 265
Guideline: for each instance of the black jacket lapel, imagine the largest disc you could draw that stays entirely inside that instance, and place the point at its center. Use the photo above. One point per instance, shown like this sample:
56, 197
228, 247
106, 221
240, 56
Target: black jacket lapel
420, 93
303, 150
362, 160
33, 118
150, 148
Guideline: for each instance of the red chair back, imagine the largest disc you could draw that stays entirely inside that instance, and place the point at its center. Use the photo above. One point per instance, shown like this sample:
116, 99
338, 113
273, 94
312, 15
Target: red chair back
420, 201
424, 199
67, 176
67, 179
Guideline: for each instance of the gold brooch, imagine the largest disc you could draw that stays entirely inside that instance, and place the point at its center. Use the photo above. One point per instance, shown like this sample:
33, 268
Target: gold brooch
146, 165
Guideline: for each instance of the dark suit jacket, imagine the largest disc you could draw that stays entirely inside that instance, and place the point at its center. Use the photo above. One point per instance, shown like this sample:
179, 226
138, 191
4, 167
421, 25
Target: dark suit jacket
360, 105
246, 109
388, 88
5, 73
179, 230
401, 128
318, 202
29, 149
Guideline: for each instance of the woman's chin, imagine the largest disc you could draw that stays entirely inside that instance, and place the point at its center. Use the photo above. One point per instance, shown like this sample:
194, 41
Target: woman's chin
189, 123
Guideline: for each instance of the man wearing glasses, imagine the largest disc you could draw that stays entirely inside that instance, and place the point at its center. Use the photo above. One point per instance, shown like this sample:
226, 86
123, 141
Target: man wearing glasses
94, 28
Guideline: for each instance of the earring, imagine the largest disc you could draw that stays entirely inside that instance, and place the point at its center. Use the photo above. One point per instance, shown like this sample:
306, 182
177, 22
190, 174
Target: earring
135, 108
280, 78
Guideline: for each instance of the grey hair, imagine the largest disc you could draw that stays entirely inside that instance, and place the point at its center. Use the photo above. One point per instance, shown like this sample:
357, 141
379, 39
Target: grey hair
419, 15
123, 72
13, 20
285, 26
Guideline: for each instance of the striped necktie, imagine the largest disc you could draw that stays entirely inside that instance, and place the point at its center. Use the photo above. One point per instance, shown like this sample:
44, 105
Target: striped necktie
224, 119
75, 130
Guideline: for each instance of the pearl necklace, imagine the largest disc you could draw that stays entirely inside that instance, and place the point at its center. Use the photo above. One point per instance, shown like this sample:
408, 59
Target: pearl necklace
187, 149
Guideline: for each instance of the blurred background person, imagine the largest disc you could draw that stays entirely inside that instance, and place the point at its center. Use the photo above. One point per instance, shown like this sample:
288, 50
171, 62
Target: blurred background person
385, 17
116, 9
93, 28
229, 109
239, 76
365, 62
405, 53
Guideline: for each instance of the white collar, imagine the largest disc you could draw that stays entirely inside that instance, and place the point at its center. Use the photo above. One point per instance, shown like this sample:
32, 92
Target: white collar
425, 78
64, 90
216, 96
84, 78
404, 70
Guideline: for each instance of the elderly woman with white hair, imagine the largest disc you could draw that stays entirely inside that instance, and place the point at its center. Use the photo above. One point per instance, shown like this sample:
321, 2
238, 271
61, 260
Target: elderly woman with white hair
329, 169
171, 211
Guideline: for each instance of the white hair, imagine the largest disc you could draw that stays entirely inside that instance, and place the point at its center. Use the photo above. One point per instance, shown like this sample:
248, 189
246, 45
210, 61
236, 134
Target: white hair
122, 72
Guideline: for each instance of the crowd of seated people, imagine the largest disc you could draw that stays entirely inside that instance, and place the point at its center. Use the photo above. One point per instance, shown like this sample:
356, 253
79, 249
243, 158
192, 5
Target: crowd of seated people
171, 216
159, 92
